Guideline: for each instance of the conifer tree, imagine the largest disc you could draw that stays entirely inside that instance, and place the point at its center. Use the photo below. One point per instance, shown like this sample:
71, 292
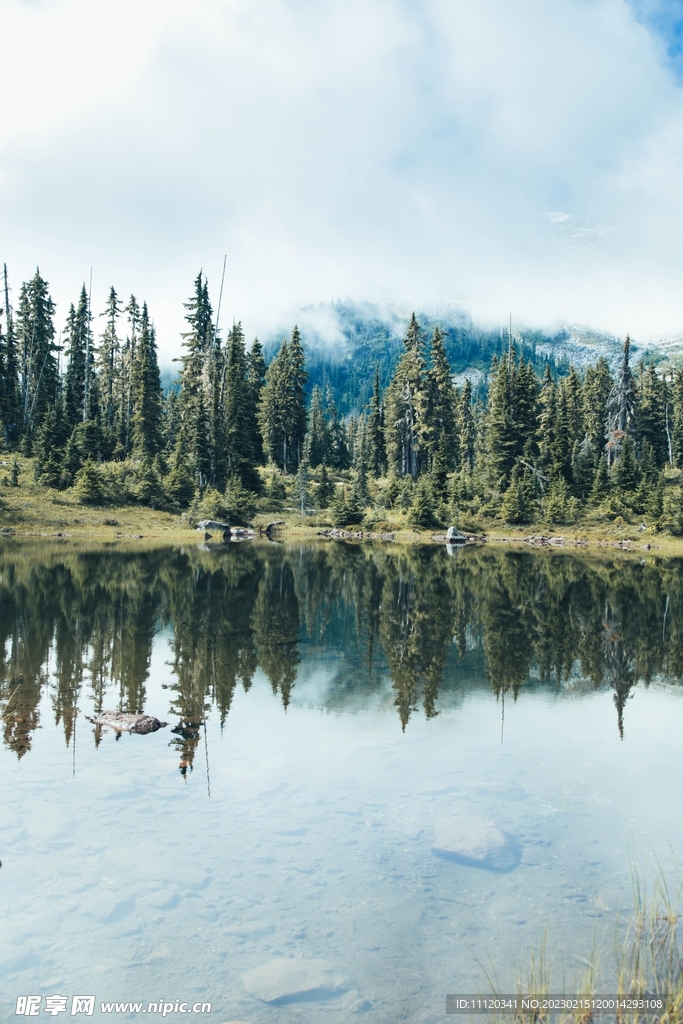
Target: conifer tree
621, 406
128, 353
339, 456
601, 482
35, 336
677, 419
378, 458
440, 411
651, 414
547, 423
518, 505
466, 431
325, 489
242, 456
272, 409
257, 377
625, 474
10, 393
76, 335
502, 435
317, 439
406, 428
146, 392
296, 391
197, 342
597, 386
108, 366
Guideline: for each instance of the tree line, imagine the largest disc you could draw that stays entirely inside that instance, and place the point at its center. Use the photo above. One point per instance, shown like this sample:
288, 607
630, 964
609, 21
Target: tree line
231, 434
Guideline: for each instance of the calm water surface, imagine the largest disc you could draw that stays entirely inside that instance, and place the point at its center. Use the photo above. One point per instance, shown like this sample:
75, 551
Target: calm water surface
327, 707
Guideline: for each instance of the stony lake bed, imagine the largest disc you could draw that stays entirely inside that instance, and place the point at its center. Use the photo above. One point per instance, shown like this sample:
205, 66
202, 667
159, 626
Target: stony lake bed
384, 774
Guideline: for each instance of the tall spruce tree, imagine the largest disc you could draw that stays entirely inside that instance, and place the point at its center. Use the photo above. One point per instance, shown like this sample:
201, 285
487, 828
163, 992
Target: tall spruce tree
440, 412
10, 392
378, 455
38, 362
257, 378
466, 427
76, 336
406, 428
195, 384
651, 413
317, 439
597, 386
621, 406
339, 454
146, 391
108, 367
242, 456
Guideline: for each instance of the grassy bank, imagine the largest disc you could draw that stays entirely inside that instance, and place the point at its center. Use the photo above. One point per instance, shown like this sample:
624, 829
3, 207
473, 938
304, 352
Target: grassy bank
28, 509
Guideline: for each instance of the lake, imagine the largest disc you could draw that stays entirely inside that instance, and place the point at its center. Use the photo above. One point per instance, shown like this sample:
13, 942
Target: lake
272, 849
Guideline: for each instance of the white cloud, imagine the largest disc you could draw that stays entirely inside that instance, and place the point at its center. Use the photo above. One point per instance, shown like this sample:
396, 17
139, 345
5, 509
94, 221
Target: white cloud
380, 149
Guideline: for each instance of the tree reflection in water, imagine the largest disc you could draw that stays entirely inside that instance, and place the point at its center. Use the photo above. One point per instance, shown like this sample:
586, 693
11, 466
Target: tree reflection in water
73, 619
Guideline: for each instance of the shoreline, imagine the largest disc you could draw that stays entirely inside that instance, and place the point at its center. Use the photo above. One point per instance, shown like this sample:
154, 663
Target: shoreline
136, 526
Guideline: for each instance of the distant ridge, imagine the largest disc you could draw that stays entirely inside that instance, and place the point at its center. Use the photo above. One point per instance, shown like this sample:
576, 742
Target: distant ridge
344, 341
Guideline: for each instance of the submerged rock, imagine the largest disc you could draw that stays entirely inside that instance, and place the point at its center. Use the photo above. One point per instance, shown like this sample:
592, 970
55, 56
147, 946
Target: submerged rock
477, 842
289, 980
128, 723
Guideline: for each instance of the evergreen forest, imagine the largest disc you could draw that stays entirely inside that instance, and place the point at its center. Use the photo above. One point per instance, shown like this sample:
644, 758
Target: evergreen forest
239, 431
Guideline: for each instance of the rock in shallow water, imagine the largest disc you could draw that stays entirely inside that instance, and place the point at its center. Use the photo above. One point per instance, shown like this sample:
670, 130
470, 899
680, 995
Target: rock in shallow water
287, 980
477, 842
128, 723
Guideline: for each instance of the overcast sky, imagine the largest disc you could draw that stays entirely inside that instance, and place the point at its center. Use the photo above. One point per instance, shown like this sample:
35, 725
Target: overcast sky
520, 156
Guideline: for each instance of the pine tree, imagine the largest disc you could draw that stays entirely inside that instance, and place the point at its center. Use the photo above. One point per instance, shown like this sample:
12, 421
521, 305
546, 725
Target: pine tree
601, 483
582, 468
325, 489
621, 406
242, 456
502, 435
651, 415
10, 392
257, 378
296, 410
127, 362
146, 392
440, 412
378, 458
677, 419
301, 485
272, 409
422, 512
339, 455
108, 367
35, 336
546, 424
199, 445
196, 394
76, 335
518, 505
317, 439
180, 484
466, 431
625, 474
406, 428
597, 386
